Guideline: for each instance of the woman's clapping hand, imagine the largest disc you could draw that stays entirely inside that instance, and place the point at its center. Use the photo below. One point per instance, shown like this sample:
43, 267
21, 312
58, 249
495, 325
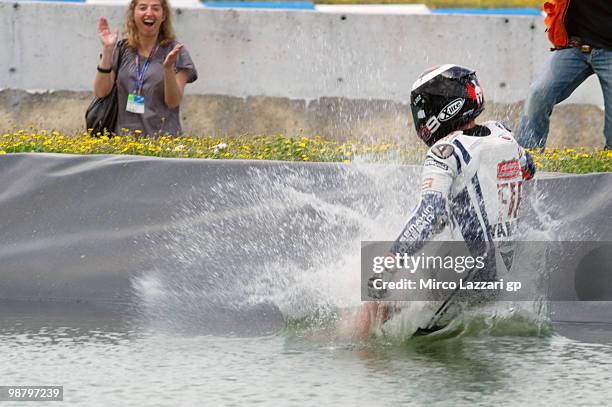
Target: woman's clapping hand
107, 38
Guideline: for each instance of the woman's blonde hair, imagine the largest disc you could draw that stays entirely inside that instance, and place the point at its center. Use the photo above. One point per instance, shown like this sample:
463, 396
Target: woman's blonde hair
166, 31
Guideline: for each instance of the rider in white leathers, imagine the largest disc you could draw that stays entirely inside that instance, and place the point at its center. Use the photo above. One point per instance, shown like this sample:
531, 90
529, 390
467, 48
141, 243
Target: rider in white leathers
472, 176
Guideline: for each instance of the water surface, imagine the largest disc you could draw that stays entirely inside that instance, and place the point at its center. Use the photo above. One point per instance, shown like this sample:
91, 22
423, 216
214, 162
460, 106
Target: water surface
103, 357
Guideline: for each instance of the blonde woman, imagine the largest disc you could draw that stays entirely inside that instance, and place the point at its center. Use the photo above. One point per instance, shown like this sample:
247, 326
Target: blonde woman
153, 71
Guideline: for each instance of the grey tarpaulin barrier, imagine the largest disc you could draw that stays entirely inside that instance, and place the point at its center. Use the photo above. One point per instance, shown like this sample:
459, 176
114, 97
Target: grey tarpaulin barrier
93, 228
576, 210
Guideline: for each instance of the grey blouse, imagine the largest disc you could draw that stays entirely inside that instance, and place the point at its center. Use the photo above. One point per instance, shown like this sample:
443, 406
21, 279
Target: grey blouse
158, 119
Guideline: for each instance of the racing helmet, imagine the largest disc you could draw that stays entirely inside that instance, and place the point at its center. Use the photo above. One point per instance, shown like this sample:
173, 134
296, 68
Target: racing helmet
443, 99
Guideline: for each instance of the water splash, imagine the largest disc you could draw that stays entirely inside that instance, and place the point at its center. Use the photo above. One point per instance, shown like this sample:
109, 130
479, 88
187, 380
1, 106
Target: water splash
258, 250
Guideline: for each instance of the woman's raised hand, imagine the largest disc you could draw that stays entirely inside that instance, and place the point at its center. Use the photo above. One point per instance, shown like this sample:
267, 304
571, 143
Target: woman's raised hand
107, 37
172, 56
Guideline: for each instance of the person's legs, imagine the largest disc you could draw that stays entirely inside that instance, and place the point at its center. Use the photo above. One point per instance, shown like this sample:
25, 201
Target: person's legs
563, 73
601, 60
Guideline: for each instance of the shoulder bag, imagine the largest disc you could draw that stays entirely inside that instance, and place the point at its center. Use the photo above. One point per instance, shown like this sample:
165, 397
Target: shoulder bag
102, 112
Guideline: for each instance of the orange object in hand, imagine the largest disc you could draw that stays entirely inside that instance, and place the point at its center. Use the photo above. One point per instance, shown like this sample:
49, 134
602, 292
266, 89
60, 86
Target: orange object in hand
555, 22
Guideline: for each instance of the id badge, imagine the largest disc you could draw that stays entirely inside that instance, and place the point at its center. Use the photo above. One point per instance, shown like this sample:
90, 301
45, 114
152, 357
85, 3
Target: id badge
135, 104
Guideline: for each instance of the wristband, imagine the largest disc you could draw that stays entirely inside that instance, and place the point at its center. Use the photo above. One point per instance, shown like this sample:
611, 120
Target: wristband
103, 70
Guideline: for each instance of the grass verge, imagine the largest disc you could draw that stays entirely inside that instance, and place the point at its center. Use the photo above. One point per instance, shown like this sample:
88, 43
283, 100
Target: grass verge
267, 147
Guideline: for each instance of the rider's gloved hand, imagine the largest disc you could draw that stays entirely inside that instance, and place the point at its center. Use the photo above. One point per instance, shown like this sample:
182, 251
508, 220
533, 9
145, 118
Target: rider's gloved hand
376, 293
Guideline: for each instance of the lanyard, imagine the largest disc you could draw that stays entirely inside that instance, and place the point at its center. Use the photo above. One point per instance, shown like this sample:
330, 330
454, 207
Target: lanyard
140, 73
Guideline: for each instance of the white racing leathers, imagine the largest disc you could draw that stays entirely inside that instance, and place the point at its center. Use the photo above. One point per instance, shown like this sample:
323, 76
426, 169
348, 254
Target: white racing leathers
472, 182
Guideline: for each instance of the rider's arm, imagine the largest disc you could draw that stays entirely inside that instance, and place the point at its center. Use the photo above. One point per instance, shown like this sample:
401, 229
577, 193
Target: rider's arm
439, 172
430, 215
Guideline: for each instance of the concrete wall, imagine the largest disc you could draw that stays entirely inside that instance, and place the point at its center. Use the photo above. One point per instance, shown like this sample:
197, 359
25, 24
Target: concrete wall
300, 56
293, 54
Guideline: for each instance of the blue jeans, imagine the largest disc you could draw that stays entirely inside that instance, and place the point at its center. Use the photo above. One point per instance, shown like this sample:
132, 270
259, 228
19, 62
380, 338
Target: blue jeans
563, 73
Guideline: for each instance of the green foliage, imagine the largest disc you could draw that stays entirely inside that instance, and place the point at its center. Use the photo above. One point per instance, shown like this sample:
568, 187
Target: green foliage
268, 147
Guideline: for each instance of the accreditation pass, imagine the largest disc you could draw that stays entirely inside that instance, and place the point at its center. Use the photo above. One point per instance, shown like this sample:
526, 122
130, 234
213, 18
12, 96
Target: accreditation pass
135, 104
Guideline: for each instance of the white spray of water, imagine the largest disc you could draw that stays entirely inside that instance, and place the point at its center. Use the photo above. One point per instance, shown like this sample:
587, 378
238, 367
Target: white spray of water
268, 239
